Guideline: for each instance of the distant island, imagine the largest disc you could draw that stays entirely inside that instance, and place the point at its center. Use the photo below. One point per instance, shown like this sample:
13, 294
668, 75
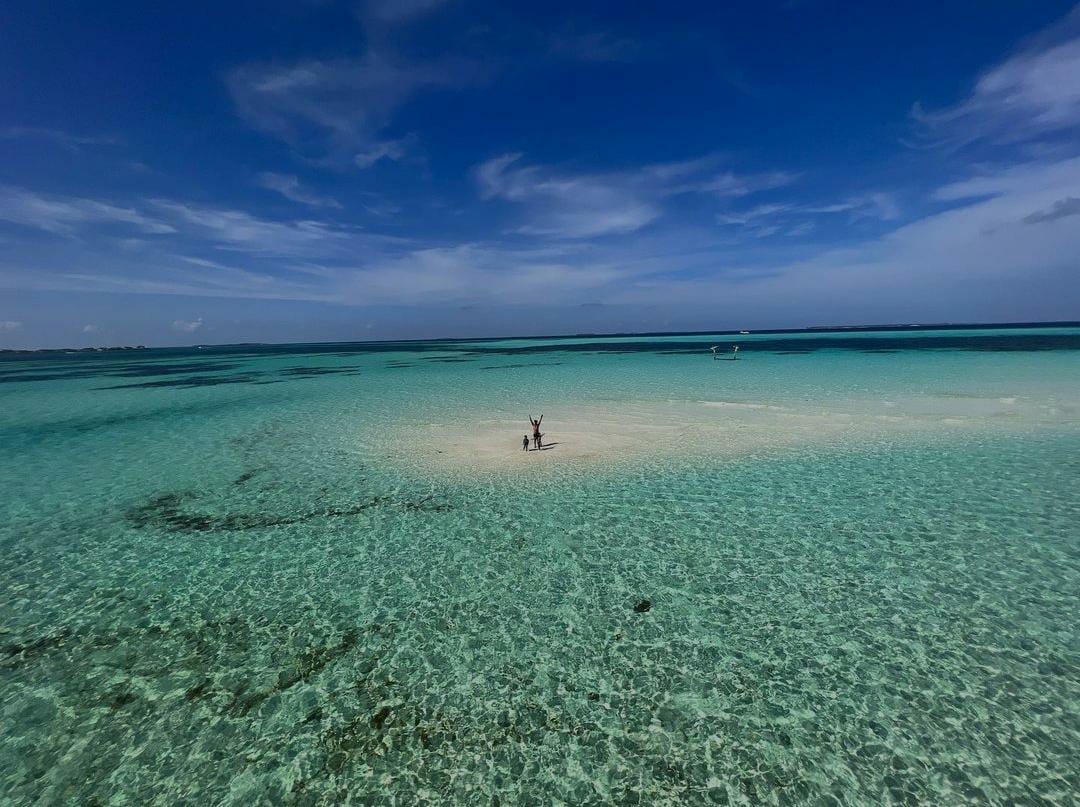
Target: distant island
75, 349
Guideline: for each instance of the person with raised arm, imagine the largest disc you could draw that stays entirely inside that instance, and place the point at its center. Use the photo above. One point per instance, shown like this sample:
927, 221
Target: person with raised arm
537, 435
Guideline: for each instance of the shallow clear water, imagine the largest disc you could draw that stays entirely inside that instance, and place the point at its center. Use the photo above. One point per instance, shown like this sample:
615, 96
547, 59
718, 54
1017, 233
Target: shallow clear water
229, 577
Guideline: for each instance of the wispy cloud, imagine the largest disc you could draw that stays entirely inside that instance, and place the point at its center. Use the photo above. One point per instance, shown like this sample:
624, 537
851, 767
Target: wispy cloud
66, 140
797, 219
8, 325
169, 279
377, 206
241, 230
384, 150
735, 185
187, 325
473, 273
566, 205
1047, 181
90, 329
593, 46
85, 253
877, 205
291, 188
339, 108
64, 215
1033, 94
755, 214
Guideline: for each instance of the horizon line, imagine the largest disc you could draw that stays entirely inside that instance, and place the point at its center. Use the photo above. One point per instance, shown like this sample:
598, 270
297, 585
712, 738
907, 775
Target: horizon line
614, 334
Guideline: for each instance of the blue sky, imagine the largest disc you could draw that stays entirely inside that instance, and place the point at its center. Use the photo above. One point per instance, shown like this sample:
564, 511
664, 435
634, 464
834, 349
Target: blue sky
307, 171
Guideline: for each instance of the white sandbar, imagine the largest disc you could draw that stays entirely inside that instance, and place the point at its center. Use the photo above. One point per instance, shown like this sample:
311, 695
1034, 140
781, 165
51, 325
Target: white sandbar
597, 435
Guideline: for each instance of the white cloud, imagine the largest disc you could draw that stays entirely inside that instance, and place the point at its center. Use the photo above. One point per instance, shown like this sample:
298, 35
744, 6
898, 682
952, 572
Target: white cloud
8, 325
63, 215
585, 205
184, 262
566, 206
979, 260
385, 150
1049, 181
291, 188
187, 325
90, 329
1033, 94
240, 230
337, 107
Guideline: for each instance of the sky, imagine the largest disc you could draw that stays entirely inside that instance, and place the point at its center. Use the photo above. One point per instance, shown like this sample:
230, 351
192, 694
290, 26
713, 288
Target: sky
197, 173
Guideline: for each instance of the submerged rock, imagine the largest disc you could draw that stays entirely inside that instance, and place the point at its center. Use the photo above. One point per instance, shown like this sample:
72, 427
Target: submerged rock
170, 511
379, 718
643, 606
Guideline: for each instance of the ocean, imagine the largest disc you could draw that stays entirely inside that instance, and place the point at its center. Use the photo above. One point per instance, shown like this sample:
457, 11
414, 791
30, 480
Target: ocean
843, 569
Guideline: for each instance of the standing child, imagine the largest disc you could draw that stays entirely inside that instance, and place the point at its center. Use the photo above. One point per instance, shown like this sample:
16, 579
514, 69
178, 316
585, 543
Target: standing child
525, 443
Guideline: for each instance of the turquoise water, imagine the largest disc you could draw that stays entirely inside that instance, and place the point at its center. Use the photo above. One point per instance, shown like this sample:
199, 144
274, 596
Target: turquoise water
239, 576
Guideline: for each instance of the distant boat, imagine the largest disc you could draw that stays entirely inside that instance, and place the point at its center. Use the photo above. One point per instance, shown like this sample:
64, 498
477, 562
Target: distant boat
744, 331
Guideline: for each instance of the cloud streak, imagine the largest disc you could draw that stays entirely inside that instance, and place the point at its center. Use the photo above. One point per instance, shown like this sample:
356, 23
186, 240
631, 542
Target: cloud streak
291, 188
237, 229
799, 219
66, 215
1033, 94
65, 140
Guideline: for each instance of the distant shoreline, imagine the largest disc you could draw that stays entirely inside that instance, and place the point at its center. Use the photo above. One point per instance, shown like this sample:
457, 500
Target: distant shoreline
817, 329
75, 349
